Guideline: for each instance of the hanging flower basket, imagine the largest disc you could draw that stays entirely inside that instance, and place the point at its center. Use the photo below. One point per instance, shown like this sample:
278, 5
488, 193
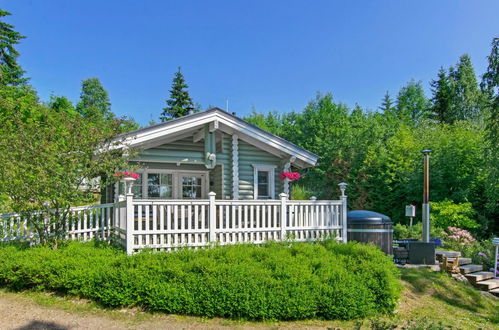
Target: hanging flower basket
126, 175
291, 176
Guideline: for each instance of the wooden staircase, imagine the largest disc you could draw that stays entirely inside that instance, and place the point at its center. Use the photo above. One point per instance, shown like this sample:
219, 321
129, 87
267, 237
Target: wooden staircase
483, 280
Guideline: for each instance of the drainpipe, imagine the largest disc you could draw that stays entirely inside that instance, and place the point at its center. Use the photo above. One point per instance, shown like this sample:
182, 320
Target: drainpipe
426, 195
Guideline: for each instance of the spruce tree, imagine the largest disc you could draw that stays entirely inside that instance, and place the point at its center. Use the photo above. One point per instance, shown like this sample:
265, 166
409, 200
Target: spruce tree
94, 100
490, 89
11, 72
490, 79
442, 98
387, 103
180, 102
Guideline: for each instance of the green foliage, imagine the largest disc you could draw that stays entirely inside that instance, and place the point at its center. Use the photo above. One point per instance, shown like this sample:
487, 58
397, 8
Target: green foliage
11, 72
94, 100
387, 104
412, 104
490, 88
299, 193
468, 97
401, 231
49, 157
277, 281
443, 97
449, 214
61, 104
180, 102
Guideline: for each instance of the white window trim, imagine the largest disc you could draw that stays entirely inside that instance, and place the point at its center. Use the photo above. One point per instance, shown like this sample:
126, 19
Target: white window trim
264, 168
176, 184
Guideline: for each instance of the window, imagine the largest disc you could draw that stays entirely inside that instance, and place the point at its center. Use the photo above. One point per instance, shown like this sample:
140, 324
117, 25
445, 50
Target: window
263, 184
192, 186
169, 184
159, 185
263, 181
137, 187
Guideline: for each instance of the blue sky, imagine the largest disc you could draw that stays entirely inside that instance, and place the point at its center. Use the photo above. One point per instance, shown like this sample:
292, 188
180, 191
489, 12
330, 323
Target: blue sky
267, 55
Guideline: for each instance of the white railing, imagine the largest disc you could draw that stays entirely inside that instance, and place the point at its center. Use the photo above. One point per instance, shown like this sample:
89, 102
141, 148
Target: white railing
82, 223
173, 224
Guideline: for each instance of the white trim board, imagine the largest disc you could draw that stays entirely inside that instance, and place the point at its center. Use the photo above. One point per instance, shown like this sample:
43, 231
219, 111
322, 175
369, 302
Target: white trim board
227, 122
264, 168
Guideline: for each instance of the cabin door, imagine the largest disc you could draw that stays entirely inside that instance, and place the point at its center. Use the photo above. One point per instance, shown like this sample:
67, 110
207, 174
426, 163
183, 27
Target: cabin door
192, 186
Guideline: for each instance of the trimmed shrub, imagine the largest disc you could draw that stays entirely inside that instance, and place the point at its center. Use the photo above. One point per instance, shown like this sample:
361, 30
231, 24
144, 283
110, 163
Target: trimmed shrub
274, 281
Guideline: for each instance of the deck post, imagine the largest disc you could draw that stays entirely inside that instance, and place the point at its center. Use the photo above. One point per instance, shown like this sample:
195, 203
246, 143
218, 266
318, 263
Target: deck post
343, 187
284, 215
129, 222
212, 216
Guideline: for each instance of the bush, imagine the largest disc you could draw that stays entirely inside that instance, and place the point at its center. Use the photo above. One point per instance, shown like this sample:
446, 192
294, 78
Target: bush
481, 252
402, 231
449, 214
300, 193
281, 281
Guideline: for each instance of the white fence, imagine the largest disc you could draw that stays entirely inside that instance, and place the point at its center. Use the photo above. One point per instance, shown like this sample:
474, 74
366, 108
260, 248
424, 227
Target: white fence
83, 223
173, 224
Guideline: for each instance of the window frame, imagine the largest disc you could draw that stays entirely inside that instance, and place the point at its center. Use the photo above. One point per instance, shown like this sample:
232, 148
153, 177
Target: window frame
176, 181
270, 169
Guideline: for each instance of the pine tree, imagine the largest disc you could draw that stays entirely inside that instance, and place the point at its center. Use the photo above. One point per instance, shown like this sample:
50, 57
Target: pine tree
387, 105
412, 103
490, 79
94, 100
467, 102
179, 103
490, 89
11, 72
442, 98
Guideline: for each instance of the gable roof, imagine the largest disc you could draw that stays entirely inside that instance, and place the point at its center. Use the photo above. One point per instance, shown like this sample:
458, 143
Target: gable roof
219, 119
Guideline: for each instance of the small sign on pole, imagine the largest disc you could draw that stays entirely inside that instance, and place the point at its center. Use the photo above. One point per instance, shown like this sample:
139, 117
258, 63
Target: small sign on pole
410, 211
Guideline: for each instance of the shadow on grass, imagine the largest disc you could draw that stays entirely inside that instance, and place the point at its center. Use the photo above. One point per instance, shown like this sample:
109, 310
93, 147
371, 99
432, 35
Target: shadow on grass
444, 288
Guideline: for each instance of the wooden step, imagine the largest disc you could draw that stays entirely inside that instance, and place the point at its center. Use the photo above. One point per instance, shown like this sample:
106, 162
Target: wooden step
488, 285
479, 276
495, 291
462, 261
467, 269
449, 254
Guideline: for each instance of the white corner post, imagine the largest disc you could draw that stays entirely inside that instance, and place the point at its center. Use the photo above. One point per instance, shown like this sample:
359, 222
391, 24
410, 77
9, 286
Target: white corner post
287, 168
284, 215
235, 167
129, 215
426, 195
344, 210
212, 216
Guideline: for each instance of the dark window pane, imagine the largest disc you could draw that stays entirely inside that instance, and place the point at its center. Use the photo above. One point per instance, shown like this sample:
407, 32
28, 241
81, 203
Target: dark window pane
137, 190
153, 191
263, 190
263, 177
153, 179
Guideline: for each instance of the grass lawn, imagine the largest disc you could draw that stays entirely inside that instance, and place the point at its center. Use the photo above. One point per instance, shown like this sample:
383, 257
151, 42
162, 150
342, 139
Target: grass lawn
429, 301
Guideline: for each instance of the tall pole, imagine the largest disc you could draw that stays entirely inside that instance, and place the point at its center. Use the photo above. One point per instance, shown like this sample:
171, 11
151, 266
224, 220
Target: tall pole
426, 195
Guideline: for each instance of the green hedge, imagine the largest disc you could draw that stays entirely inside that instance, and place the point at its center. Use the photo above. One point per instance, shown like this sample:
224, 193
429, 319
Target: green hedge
280, 281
